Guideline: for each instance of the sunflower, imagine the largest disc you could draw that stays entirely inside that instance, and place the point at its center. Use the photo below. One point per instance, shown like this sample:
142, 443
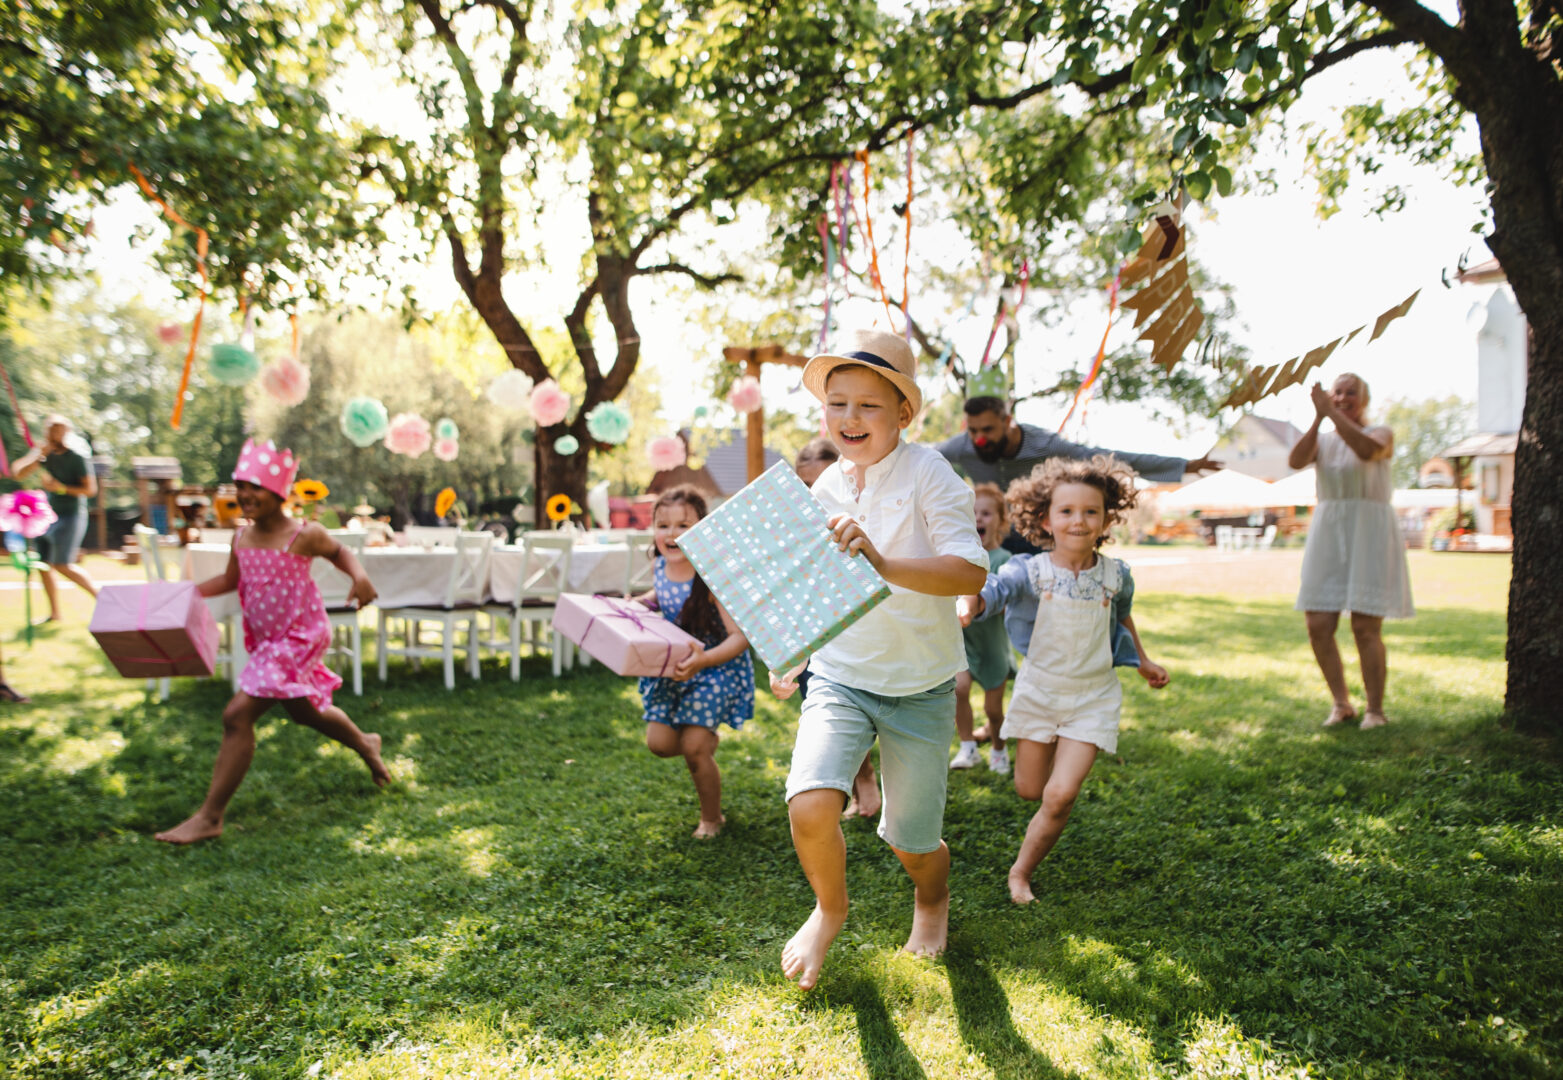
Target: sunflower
559, 507
444, 501
310, 491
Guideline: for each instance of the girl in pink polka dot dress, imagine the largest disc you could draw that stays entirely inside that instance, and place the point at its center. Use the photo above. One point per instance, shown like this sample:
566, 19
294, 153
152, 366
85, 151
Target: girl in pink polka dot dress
286, 632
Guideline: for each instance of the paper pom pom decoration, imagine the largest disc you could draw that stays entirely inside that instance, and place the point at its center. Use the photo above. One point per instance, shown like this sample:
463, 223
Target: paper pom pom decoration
566, 445
446, 449
444, 501
744, 397
232, 365
609, 423
286, 380
27, 512
558, 507
512, 391
445, 428
364, 421
408, 434
666, 452
170, 332
310, 491
700, 412
549, 403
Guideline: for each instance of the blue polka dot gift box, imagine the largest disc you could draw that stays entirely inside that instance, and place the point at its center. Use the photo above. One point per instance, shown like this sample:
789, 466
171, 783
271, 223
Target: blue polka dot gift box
770, 558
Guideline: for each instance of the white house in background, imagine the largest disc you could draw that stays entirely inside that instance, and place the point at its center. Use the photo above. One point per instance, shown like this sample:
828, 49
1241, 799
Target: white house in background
1502, 345
1258, 446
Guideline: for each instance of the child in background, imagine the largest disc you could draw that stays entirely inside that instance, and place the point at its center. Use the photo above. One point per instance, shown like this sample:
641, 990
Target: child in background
714, 684
1067, 698
813, 460
989, 656
286, 632
890, 675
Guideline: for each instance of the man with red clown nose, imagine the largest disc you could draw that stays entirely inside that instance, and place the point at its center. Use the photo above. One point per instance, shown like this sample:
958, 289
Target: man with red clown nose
995, 449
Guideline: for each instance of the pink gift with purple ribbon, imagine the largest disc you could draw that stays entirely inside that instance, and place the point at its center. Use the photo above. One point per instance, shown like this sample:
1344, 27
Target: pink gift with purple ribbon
626, 636
155, 630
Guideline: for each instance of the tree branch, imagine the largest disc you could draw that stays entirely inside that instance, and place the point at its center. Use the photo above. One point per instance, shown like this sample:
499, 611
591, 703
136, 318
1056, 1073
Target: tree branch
1426, 28
709, 281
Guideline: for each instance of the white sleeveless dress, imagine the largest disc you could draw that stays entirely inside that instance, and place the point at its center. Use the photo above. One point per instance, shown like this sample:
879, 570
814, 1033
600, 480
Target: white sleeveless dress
1355, 559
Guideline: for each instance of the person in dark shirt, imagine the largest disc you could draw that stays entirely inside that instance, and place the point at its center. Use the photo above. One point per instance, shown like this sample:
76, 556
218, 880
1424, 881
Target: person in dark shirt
66, 461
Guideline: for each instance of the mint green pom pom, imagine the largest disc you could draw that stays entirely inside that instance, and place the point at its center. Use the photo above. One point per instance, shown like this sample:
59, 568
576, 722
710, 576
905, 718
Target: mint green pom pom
566, 445
364, 420
446, 429
233, 365
700, 412
609, 423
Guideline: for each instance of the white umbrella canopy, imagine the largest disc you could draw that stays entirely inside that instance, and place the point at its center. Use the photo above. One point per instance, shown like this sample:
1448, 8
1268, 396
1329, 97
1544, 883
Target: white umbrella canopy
1225, 490
1298, 489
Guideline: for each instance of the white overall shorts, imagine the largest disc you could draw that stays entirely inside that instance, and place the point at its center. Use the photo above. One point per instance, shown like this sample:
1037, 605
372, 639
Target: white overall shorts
1067, 685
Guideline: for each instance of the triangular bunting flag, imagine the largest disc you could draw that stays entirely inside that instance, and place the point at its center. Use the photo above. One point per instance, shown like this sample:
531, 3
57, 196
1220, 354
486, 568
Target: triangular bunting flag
1172, 352
1392, 314
1149, 299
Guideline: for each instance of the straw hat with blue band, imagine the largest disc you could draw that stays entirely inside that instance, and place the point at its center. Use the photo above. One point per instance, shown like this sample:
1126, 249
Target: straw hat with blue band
886, 354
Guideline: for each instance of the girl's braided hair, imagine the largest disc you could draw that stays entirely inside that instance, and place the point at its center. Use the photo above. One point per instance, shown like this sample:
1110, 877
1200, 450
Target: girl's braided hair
1031, 497
700, 616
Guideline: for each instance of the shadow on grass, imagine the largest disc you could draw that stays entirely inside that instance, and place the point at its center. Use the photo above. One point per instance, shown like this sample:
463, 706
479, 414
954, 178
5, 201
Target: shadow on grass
885, 1055
982, 1013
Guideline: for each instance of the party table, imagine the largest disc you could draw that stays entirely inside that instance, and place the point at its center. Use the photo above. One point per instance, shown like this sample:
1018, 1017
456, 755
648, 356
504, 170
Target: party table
403, 576
594, 568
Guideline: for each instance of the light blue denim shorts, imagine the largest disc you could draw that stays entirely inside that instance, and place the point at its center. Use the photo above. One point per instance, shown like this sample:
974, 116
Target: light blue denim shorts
836, 729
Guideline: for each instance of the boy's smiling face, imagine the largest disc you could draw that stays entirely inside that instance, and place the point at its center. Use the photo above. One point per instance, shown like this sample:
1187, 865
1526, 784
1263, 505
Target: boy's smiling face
864, 414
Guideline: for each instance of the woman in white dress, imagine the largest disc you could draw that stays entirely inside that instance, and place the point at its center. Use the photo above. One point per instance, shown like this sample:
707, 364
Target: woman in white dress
1355, 559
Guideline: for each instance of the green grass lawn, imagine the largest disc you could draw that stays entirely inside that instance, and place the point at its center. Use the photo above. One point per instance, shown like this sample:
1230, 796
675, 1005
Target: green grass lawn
1240, 893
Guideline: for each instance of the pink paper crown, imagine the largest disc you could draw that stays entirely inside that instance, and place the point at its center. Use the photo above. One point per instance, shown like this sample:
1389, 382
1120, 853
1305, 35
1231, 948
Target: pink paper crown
264, 464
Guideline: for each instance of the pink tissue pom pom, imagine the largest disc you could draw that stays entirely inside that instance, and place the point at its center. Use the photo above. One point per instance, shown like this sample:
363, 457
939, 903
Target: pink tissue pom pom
666, 452
549, 403
446, 449
286, 380
170, 332
27, 512
408, 434
745, 395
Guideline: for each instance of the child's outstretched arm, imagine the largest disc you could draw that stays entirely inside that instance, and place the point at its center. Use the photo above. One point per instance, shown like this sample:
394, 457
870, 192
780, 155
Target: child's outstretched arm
937, 575
225, 582
785, 685
999, 591
700, 657
314, 541
1150, 671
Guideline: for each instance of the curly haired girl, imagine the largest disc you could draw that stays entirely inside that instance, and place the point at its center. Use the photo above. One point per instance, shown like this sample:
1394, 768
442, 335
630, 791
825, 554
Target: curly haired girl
1062, 607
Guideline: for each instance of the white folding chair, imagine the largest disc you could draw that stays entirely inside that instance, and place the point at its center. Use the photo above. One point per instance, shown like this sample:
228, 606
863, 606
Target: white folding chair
465, 590
346, 631
216, 536
641, 572
545, 573
430, 536
147, 543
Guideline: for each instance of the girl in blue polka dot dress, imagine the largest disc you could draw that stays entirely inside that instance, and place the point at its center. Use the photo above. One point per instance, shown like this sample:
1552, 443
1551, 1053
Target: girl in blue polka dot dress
714, 684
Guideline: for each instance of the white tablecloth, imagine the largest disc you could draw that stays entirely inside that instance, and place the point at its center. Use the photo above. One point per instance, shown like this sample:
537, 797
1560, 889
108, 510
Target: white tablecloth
594, 568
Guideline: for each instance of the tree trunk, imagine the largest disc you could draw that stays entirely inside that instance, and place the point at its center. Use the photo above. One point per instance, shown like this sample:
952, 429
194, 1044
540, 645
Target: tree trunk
557, 474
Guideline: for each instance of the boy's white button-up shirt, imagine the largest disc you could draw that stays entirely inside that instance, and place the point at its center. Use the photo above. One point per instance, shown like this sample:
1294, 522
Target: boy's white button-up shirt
913, 506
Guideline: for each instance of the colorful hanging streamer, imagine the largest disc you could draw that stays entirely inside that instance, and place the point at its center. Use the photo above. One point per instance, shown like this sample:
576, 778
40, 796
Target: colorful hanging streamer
202, 243
867, 224
906, 260
824, 239
1082, 396
998, 319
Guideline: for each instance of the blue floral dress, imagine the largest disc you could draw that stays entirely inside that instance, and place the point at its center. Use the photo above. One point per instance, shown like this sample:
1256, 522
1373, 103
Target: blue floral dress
716, 695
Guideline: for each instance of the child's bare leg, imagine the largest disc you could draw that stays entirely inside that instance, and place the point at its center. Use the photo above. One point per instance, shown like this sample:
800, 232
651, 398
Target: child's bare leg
333, 723
1321, 635
822, 852
993, 706
963, 717
662, 740
51, 590
233, 761
1064, 770
865, 789
699, 747
1369, 632
930, 873
76, 573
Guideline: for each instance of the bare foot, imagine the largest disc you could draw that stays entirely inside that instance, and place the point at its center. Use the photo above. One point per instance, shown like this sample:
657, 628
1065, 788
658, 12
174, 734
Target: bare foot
804, 955
8, 694
865, 794
930, 927
371, 755
982, 734
1020, 889
192, 830
708, 830
1372, 719
1339, 714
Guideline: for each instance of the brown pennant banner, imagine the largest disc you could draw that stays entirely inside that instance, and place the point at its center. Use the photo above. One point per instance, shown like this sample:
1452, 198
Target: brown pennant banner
1148, 300
1169, 355
1347, 339
1291, 374
1159, 332
1317, 357
1392, 314
1248, 390
1146, 262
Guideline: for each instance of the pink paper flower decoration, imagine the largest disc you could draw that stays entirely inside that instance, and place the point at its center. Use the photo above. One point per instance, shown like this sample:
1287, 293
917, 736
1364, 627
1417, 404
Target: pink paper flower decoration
27, 512
170, 332
744, 397
446, 449
666, 452
408, 434
549, 403
286, 380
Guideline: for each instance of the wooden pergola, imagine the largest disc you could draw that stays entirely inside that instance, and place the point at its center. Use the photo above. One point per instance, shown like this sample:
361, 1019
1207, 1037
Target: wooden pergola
754, 358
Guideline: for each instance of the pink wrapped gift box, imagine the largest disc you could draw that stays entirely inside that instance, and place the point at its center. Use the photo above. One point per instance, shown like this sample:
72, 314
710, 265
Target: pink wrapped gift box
157, 629
627, 636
